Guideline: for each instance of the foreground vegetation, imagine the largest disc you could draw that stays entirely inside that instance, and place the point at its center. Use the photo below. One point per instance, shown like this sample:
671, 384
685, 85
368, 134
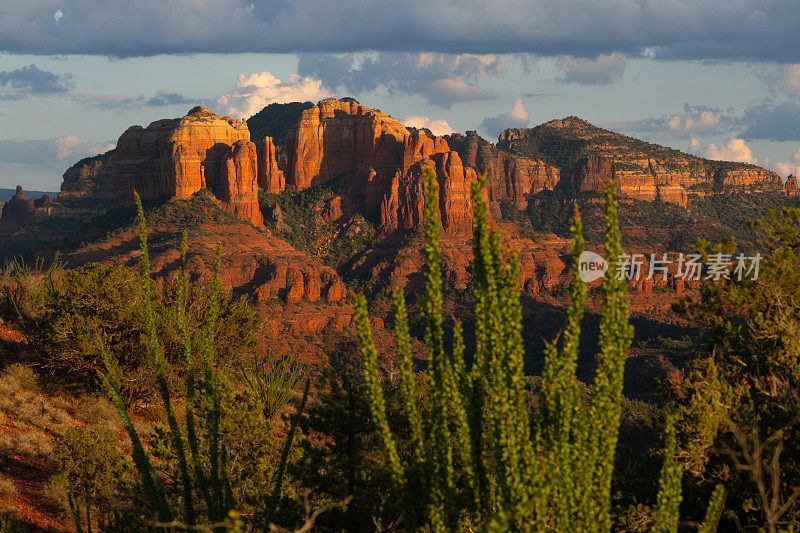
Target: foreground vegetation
164, 412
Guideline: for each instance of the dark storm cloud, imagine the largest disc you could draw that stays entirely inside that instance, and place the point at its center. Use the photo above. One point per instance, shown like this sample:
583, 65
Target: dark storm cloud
672, 29
774, 122
32, 81
115, 102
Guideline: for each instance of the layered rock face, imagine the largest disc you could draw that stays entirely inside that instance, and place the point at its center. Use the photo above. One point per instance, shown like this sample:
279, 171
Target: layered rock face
385, 162
790, 187
509, 176
174, 158
341, 136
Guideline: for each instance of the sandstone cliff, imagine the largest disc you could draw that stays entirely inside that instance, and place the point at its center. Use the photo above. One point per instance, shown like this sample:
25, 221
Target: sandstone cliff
19, 210
174, 158
385, 162
270, 178
509, 176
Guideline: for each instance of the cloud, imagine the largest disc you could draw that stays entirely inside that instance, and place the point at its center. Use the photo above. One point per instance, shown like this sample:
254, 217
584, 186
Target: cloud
443, 79
792, 166
694, 121
785, 79
163, 99
604, 70
32, 81
734, 150
776, 122
437, 127
117, 102
671, 29
518, 117
257, 90
52, 151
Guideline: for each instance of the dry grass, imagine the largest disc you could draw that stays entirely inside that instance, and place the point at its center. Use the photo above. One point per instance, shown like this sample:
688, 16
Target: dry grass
98, 411
7, 487
33, 443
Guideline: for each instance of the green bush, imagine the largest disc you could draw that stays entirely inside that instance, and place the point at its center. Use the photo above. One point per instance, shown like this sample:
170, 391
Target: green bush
68, 312
92, 472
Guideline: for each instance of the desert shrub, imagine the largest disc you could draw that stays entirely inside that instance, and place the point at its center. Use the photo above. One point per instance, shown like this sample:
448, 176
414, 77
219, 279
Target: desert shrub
217, 455
9, 521
92, 472
342, 456
100, 301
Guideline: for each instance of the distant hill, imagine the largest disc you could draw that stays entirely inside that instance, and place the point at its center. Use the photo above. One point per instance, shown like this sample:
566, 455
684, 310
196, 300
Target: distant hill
563, 142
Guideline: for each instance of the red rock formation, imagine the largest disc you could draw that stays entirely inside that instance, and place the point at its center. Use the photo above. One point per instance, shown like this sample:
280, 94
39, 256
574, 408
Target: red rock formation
269, 177
384, 161
790, 187
238, 187
18, 211
589, 174
174, 158
336, 137
509, 176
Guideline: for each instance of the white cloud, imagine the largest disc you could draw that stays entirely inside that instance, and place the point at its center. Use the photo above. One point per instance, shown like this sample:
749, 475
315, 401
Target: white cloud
69, 146
792, 166
437, 127
604, 70
693, 120
518, 117
733, 150
786, 79
257, 90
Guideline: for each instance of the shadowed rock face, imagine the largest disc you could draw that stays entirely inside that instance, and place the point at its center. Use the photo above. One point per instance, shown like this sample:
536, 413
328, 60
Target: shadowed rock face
174, 158
19, 211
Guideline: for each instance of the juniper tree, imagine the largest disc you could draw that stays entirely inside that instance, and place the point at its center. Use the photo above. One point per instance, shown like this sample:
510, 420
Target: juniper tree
477, 462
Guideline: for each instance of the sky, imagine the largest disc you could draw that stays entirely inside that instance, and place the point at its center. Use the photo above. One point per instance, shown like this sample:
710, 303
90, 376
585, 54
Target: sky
717, 78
